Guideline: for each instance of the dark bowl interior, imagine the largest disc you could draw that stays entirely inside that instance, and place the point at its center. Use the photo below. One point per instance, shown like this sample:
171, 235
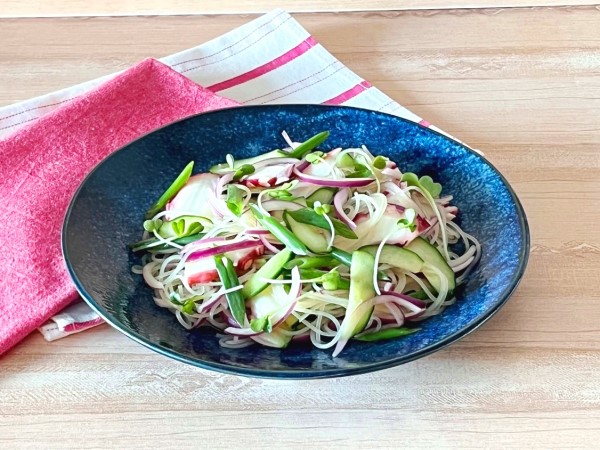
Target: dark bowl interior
107, 211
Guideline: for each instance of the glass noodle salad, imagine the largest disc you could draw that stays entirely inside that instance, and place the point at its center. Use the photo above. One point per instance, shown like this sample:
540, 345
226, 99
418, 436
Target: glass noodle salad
304, 245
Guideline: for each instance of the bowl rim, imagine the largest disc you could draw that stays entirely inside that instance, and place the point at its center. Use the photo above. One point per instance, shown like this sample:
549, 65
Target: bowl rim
305, 373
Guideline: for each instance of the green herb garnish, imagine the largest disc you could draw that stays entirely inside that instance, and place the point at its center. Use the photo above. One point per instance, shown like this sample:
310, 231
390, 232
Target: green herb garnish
380, 162
152, 225
409, 220
308, 145
172, 191
235, 199
189, 307
261, 324
360, 171
229, 278
285, 236
426, 183
315, 157
242, 171
331, 280
311, 262
388, 333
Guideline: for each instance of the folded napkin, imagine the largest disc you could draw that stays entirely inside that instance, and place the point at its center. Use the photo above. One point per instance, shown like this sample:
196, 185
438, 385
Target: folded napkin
43, 164
270, 60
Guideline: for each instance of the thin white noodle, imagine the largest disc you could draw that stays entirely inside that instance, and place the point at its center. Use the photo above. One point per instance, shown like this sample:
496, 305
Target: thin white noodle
377, 256
182, 321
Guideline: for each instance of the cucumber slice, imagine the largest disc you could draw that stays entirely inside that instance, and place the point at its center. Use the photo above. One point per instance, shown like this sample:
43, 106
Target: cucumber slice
276, 338
389, 333
221, 169
271, 270
361, 288
359, 308
324, 195
264, 303
309, 274
346, 161
432, 258
290, 323
313, 237
397, 257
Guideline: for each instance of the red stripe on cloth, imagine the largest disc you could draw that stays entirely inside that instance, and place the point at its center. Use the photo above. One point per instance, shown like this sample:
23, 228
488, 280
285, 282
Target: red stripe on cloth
350, 93
288, 56
80, 326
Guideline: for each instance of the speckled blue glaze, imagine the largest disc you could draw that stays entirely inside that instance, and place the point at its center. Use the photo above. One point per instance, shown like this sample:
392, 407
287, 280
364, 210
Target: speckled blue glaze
106, 214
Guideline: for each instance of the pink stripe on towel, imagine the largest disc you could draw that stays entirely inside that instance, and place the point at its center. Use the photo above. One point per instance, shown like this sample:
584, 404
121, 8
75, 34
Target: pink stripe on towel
347, 95
288, 56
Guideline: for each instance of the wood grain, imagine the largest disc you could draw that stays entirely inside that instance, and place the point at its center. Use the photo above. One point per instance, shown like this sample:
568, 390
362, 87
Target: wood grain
62, 8
523, 85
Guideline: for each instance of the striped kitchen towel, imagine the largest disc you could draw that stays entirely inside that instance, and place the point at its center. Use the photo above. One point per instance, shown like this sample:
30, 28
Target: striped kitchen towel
271, 60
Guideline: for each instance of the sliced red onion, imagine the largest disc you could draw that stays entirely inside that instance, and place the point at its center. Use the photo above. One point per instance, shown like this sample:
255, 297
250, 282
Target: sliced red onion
339, 199
196, 245
303, 164
411, 317
414, 305
386, 318
205, 306
222, 182
228, 318
269, 176
257, 231
344, 182
268, 245
391, 313
273, 162
396, 312
228, 247
414, 301
283, 314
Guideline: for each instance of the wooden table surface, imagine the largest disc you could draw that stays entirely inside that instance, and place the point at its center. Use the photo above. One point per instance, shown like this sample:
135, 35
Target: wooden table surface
521, 84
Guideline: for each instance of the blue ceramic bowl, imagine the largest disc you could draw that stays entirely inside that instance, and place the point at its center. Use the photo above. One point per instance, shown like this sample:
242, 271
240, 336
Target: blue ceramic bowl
106, 215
